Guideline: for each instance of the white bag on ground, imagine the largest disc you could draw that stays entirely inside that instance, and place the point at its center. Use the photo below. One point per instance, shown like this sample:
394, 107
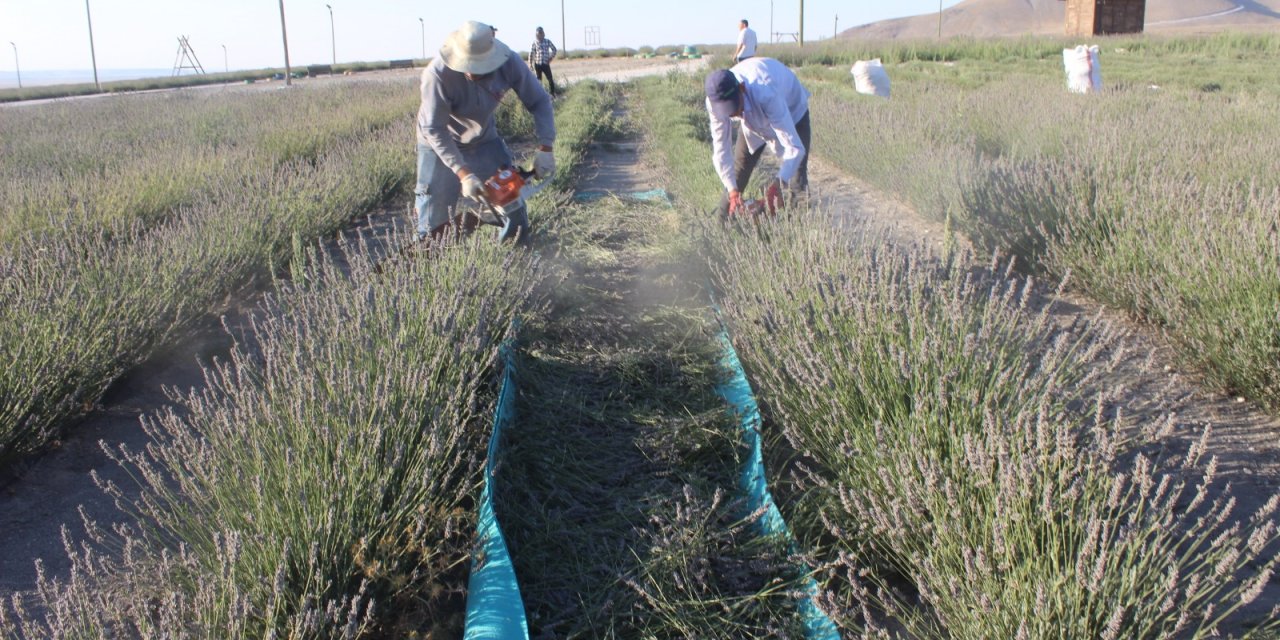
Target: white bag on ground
1084, 73
869, 78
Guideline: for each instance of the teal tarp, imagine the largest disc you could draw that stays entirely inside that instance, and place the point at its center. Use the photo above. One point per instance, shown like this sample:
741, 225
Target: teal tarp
737, 392
495, 610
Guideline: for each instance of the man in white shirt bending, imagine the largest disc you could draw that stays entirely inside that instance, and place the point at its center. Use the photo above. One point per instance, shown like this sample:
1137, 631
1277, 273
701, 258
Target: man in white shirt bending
773, 107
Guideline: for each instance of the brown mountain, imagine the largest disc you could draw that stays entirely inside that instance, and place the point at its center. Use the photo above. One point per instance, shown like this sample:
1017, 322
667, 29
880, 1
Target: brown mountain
995, 18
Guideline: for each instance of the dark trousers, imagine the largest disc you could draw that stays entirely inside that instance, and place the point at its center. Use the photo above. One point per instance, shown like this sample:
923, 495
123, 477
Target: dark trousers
545, 68
744, 163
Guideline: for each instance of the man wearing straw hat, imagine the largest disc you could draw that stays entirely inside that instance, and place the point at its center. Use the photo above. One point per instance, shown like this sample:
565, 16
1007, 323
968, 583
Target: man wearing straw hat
458, 142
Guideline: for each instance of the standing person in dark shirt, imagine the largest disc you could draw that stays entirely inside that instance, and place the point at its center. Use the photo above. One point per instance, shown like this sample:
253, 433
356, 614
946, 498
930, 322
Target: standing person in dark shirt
458, 142
540, 57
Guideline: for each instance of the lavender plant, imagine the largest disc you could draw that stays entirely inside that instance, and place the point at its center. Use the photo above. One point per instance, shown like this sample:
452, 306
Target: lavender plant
944, 460
1159, 201
320, 485
85, 307
90, 163
928, 404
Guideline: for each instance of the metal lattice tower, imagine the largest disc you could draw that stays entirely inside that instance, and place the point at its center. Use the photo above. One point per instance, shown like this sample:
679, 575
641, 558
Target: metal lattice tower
186, 58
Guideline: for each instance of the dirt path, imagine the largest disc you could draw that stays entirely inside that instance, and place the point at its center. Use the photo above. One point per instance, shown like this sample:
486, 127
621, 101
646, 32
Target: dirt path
617, 493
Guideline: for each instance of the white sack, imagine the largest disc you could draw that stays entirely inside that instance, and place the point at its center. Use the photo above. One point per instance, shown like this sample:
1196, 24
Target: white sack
1084, 73
869, 78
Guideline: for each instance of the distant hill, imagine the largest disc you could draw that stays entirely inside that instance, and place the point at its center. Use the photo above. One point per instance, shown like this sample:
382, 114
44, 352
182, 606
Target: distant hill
997, 18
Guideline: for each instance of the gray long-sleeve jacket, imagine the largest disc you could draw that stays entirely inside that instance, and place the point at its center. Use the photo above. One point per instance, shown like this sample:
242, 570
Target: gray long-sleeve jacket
457, 112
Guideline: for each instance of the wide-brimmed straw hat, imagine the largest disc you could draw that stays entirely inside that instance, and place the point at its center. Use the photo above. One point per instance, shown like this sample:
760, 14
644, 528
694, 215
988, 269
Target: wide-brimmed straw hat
474, 49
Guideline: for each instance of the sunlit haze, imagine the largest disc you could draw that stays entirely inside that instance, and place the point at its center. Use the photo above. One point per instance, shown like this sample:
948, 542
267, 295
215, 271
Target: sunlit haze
142, 34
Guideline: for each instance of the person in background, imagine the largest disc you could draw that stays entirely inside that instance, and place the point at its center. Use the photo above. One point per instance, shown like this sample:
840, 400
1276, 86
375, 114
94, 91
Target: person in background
746, 42
458, 142
540, 57
774, 109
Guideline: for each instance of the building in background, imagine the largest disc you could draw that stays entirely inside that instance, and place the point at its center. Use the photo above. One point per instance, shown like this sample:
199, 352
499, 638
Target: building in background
1105, 17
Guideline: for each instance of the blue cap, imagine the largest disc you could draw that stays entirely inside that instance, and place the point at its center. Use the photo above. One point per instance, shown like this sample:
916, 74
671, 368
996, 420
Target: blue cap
722, 90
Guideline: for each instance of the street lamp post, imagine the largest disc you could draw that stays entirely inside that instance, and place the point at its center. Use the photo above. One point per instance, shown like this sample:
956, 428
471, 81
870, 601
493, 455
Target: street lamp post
424, 38
16, 66
226, 68
284, 35
93, 54
333, 37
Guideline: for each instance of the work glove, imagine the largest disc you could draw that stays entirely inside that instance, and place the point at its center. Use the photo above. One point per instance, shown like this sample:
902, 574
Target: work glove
544, 165
735, 202
473, 187
773, 196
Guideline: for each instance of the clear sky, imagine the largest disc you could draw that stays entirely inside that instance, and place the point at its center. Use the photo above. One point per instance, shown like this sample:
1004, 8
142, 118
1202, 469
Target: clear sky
142, 34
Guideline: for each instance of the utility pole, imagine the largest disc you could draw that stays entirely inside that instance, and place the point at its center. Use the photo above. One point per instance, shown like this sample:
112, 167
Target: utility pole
423, 24
772, 32
16, 66
333, 38
563, 42
226, 68
93, 54
288, 71
835, 33
939, 19
802, 23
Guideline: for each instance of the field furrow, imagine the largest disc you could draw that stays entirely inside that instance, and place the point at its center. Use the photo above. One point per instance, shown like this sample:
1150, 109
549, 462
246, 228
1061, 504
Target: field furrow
618, 491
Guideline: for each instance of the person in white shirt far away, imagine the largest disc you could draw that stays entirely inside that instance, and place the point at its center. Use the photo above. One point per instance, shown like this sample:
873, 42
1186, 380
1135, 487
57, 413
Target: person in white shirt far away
746, 42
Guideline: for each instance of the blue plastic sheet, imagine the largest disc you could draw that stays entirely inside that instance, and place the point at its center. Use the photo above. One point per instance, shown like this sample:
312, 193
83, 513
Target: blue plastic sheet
737, 392
495, 609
